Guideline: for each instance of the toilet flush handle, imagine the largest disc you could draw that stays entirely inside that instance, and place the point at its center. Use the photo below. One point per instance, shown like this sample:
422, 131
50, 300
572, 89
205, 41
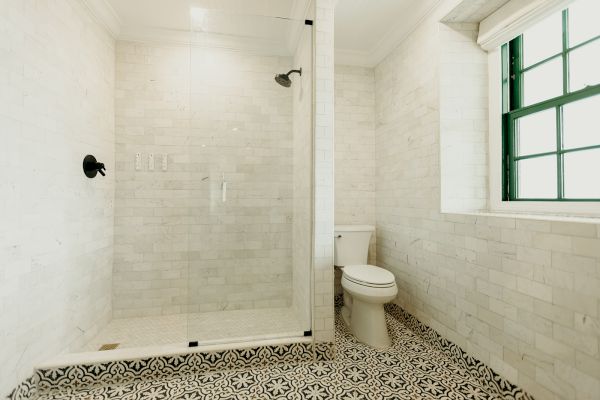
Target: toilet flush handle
338, 236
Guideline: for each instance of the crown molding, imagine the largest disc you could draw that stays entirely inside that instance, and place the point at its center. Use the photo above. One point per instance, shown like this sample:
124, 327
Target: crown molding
105, 15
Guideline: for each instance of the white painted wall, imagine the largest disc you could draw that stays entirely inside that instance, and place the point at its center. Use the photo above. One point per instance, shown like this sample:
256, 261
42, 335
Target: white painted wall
520, 294
56, 229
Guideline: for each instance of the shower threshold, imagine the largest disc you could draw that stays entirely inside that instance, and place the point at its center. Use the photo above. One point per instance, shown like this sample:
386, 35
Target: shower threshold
166, 335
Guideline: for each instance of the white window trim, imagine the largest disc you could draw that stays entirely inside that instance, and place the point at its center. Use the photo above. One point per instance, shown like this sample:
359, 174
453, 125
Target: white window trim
579, 209
512, 19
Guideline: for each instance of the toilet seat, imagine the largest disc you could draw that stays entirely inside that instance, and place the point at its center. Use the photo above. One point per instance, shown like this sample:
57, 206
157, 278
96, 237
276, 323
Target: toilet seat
369, 276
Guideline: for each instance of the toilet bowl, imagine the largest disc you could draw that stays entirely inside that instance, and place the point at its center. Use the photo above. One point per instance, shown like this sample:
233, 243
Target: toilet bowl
366, 287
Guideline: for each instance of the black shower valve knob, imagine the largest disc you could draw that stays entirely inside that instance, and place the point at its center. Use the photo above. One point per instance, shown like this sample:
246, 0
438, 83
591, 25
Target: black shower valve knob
91, 167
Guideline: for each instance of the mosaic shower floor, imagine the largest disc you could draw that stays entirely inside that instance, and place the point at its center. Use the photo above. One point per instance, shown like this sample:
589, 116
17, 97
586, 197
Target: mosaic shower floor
411, 369
206, 328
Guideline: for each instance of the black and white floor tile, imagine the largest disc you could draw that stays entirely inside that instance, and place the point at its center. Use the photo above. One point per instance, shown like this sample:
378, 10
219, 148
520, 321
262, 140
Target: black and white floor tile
413, 368
118, 372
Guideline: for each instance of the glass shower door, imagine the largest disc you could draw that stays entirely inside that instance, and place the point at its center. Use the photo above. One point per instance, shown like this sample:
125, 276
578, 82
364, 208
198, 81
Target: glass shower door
250, 165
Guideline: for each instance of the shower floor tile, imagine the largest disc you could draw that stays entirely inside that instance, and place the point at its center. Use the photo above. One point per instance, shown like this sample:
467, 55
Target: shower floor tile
206, 328
411, 369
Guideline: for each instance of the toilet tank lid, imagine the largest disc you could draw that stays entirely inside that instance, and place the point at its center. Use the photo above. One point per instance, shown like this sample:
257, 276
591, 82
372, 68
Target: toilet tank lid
354, 228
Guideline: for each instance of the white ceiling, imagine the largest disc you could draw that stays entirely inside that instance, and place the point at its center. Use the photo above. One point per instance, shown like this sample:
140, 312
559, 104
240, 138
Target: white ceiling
262, 25
175, 14
366, 30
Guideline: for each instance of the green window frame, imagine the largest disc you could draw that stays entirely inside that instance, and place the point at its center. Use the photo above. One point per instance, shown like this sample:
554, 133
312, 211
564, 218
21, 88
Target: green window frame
513, 109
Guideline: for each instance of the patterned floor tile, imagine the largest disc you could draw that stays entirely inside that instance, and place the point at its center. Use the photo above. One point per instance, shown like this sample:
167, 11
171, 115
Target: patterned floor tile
413, 368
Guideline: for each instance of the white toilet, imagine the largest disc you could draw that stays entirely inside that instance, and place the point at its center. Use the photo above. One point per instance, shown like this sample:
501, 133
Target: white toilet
366, 287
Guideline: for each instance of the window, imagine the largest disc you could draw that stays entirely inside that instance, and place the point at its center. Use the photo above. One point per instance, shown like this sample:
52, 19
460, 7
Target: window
551, 108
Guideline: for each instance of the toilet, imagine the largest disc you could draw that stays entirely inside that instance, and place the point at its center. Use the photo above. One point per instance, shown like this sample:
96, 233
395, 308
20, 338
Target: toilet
366, 287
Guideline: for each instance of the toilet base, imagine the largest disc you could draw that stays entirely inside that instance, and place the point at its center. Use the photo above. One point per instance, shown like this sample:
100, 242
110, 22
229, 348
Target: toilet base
367, 323
346, 315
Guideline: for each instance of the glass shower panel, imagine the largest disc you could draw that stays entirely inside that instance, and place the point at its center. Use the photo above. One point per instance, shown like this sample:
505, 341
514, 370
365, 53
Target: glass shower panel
250, 166
152, 196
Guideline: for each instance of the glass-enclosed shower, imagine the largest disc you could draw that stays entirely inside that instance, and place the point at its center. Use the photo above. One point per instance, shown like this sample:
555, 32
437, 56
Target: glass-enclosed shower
213, 183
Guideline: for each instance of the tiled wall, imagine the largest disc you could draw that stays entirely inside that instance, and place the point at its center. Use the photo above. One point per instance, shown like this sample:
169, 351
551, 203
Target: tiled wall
520, 294
152, 208
237, 126
240, 248
303, 171
463, 119
355, 148
324, 127
355, 152
56, 229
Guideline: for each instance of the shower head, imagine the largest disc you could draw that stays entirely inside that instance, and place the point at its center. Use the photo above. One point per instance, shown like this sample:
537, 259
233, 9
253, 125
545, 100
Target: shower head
284, 79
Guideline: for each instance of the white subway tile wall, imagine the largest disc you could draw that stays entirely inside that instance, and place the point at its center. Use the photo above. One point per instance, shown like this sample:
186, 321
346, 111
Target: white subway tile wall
323, 318
463, 119
56, 229
241, 237
152, 208
355, 147
355, 151
303, 173
521, 295
182, 242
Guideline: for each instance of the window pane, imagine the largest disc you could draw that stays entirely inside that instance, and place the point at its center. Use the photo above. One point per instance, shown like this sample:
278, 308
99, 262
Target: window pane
583, 21
536, 133
537, 178
543, 40
582, 180
543, 82
585, 65
581, 123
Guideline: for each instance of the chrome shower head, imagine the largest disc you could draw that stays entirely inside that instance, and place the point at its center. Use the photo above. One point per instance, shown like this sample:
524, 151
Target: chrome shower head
284, 79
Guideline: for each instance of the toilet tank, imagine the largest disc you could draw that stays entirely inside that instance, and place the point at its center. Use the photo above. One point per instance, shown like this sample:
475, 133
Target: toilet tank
352, 244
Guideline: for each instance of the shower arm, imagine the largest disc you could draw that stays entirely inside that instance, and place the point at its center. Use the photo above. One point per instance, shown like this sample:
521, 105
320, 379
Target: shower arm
299, 71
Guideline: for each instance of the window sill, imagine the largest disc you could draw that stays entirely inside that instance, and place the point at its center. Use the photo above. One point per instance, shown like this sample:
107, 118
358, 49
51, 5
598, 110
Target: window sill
582, 219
